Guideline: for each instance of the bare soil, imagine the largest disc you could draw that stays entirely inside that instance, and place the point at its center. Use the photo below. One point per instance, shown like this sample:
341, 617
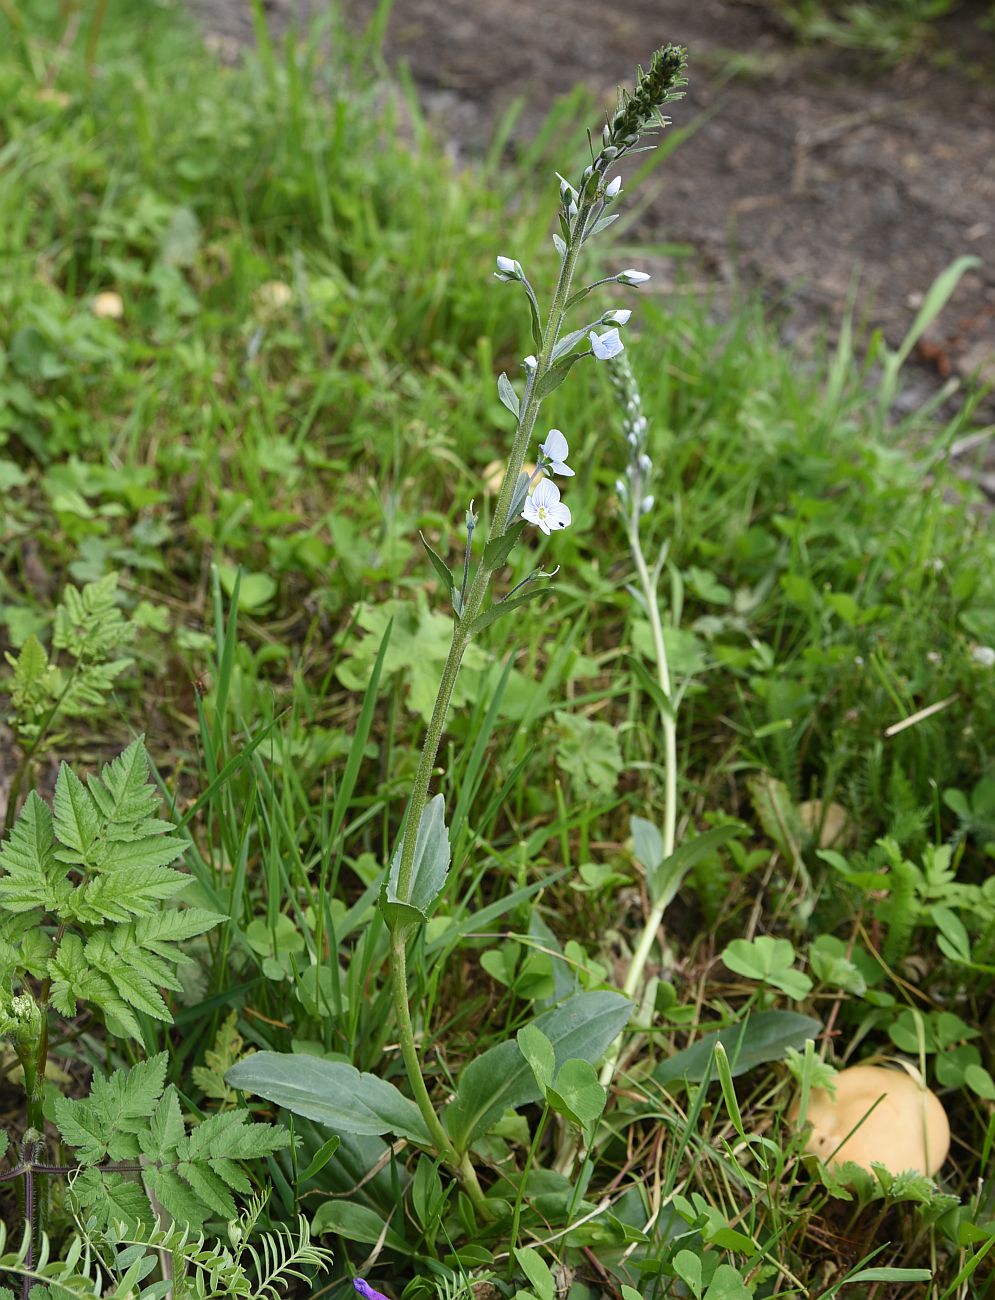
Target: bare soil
809, 173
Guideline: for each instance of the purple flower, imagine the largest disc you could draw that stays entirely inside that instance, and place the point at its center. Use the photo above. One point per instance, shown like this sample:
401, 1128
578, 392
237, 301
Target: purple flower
366, 1291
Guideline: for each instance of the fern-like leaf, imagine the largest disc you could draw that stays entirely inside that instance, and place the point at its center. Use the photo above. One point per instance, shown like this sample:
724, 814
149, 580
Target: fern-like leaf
31, 876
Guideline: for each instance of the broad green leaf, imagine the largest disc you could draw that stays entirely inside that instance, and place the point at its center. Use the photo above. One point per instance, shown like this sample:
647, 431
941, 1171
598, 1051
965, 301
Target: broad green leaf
762, 1037
538, 1051
687, 1266
428, 873
584, 1027
647, 844
769, 960
578, 1094
727, 1284
330, 1092
255, 590
355, 1222
536, 1270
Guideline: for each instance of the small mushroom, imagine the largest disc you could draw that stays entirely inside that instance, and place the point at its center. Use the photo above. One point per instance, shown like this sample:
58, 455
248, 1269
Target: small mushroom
108, 305
878, 1116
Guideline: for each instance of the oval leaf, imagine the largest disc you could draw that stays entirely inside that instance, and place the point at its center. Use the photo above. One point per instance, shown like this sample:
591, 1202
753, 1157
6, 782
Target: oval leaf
330, 1092
585, 1026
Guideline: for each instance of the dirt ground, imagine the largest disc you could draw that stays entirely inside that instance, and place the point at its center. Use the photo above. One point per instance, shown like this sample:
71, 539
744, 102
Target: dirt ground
808, 173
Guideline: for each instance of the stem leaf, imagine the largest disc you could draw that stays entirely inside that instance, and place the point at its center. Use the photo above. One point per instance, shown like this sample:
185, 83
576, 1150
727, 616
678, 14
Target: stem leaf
507, 394
428, 872
502, 607
665, 881
498, 549
556, 374
441, 568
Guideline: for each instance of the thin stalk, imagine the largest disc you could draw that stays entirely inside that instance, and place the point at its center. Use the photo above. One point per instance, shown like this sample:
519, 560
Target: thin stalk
460, 1164
516, 1216
433, 736
639, 958
644, 947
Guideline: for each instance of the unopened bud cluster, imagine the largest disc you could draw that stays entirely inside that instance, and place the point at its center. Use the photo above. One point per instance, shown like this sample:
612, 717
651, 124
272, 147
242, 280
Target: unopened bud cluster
632, 490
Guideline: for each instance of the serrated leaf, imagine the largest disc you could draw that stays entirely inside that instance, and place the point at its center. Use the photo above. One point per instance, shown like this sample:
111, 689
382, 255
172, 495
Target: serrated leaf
507, 394
31, 878
77, 822
584, 1027
112, 1198
428, 873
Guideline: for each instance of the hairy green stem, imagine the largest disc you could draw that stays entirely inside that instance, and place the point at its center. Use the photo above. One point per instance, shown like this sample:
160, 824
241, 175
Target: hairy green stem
433, 736
409, 1050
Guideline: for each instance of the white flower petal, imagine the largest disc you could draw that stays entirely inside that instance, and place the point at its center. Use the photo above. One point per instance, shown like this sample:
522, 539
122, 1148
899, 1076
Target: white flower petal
546, 494
560, 516
554, 446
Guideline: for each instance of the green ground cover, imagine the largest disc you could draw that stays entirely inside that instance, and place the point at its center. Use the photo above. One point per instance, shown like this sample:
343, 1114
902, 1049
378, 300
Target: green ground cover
221, 489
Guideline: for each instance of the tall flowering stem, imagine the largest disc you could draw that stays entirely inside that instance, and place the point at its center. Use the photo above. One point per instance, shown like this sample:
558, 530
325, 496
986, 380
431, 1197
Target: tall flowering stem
582, 213
636, 501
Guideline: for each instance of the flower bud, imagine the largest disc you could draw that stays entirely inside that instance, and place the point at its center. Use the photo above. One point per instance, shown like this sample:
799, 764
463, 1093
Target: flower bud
618, 316
646, 505
631, 277
530, 363
613, 187
509, 269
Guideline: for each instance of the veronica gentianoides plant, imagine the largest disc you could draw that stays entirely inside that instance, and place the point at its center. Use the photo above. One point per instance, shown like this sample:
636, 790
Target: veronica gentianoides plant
501, 1077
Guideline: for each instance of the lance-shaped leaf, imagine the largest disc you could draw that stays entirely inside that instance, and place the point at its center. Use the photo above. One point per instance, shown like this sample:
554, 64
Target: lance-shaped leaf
441, 568
498, 549
583, 1027
763, 1036
428, 872
556, 374
333, 1093
665, 879
507, 394
502, 607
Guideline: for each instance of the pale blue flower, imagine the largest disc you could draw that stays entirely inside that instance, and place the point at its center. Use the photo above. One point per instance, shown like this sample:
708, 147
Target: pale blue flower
607, 345
545, 509
553, 453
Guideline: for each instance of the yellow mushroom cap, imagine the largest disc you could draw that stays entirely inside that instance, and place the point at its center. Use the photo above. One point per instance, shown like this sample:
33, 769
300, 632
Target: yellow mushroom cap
907, 1128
